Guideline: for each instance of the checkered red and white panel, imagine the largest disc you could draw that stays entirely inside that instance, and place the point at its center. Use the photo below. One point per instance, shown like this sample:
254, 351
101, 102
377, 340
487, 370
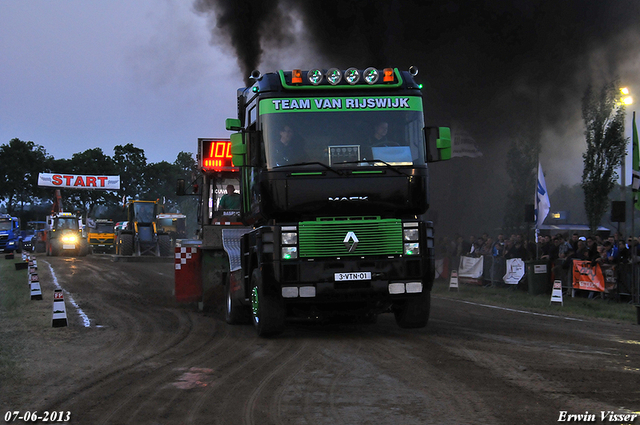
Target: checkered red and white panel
182, 255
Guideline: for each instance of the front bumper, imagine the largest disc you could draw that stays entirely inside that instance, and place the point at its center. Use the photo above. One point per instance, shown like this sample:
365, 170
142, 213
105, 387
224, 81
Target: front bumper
391, 278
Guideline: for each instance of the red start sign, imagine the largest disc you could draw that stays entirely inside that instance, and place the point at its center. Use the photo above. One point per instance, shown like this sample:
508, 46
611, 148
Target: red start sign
74, 181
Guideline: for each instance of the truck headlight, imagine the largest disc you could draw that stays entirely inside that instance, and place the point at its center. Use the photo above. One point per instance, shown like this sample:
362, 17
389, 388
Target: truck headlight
371, 75
289, 242
352, 75
289, 252
412, 248
334, 76
69, 238
289, 238
411, 234
315, 76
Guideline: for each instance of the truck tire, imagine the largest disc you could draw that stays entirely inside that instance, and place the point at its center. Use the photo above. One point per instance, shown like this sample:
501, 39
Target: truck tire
126, 244
40, 247
413, 312
83, 249
267, 309
235, 314
164, 241
54, 249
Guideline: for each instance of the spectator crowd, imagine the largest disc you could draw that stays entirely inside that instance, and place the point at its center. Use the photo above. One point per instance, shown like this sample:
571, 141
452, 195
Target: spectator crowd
612, 250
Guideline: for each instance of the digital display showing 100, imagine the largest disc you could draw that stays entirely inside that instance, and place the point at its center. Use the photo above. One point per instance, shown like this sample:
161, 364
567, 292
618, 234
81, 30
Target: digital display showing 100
216, 155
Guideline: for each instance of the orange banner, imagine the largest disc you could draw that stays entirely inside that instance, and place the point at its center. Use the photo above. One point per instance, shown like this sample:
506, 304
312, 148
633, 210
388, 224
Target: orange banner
587, 277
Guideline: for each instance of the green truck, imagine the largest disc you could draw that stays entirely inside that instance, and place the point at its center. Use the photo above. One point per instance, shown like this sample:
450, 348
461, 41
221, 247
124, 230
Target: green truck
331, 168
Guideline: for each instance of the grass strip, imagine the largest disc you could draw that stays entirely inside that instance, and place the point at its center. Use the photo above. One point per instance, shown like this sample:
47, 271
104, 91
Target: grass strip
512, 297
14, 297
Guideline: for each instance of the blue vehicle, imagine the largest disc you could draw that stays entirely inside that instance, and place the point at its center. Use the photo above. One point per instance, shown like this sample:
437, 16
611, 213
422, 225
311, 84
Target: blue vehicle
10, 236
33, 238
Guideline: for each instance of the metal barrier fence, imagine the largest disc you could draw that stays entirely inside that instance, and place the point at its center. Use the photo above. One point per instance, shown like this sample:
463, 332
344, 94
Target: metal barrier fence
620, 284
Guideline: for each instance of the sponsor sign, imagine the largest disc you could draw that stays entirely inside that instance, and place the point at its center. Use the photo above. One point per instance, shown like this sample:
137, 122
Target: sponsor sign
471, 267
324, 104
75, 181
514, 272
587, 277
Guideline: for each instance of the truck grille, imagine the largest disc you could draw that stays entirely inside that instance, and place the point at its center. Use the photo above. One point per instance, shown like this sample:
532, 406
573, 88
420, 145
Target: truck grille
325, 237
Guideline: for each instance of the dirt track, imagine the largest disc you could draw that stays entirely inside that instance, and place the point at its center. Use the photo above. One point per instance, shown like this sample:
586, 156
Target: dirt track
146, 360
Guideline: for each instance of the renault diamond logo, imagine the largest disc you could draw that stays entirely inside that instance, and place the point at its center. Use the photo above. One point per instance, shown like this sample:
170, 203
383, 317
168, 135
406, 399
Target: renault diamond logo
351, 241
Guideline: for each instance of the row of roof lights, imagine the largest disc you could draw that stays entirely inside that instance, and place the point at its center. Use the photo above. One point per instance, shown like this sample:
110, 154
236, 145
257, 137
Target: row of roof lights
352, 76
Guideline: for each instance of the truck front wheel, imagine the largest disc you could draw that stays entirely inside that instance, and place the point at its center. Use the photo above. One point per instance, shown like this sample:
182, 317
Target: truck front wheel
235, 313
413, 312
267, 309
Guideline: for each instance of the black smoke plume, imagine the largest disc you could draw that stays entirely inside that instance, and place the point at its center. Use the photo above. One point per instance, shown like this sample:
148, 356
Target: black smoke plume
501, 69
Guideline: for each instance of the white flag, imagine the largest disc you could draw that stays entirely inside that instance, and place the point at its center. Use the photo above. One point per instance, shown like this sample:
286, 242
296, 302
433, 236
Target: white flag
542, 198
464, 145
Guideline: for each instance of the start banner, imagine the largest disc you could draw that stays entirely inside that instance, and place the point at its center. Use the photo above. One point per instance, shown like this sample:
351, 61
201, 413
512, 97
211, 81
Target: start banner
587, 277
74, 181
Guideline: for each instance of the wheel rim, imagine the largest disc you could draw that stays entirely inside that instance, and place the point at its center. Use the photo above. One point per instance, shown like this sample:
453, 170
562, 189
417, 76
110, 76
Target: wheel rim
255, 304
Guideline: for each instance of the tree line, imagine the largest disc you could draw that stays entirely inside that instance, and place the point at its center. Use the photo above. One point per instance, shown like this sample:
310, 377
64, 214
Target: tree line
22, 161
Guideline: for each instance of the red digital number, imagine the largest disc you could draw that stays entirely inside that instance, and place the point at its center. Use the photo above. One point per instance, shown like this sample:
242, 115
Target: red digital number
217, 154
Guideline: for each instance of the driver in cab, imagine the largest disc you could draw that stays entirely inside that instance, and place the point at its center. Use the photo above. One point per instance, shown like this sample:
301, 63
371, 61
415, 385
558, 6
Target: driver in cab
289, 148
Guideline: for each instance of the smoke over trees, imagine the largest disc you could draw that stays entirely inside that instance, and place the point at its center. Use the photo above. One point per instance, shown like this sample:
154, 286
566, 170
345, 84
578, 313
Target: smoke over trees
500, 69
603, 116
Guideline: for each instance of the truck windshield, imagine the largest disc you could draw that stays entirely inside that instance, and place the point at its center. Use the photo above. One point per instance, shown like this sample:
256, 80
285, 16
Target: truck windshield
5, 224
104, 228
337, 135
67, 223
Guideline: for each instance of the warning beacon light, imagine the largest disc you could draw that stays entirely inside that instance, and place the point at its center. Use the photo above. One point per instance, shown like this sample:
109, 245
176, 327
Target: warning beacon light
215, 155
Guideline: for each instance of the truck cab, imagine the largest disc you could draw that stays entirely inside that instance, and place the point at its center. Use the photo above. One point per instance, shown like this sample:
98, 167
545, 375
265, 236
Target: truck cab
10, 235
333, 179
101, 235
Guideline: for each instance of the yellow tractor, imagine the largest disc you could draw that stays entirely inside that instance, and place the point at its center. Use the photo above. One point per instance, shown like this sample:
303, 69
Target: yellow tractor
141, 235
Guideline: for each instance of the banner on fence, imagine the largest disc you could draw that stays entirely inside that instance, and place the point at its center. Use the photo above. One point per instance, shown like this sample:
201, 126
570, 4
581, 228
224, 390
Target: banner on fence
610, 274
471, 267
587, 277
514, 272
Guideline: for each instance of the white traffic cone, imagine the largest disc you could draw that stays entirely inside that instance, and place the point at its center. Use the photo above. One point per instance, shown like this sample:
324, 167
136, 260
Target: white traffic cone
556, 294
59, 311
453, 281
36, 292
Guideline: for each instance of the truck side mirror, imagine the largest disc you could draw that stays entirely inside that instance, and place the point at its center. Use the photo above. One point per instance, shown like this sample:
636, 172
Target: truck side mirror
180, 191
233, 124
440, 139
238, 149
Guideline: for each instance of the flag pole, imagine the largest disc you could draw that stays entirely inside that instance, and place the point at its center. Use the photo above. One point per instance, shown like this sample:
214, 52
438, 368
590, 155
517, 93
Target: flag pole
635, 165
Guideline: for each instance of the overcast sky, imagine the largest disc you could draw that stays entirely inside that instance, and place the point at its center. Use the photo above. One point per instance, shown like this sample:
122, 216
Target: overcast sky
81, 74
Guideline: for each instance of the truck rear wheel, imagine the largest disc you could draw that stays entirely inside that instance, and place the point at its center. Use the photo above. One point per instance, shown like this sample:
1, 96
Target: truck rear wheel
235, 313
267, 309
413, 312
126, 244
